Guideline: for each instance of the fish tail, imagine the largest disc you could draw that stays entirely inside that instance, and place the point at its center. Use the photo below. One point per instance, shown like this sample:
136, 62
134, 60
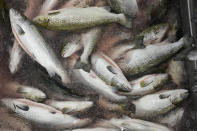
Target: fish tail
125, 21
139, 42
82, 122
81, 65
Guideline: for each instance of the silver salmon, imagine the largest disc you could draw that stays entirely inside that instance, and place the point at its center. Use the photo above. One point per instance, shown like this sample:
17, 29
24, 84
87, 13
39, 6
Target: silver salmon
35, 46
109, 71
91, 80
159, 103
146, 85
42, 114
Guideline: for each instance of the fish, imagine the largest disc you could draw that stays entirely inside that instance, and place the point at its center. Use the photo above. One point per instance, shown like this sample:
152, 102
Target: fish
71, 107
89, 40
16, 54
43, 115
152, 105
146, 85
92, 81
176, 69
140, 60
154, 34
79, 18
35, 46
127, 7
70, 46
173, 118
27, 92
119, 50
48, 5
109, 71
128, 124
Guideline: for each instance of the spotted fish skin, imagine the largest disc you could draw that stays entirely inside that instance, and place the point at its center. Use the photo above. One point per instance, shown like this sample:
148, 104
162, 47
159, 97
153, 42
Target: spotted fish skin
35, 46
154, 34
42, 114
79, 18
140, 60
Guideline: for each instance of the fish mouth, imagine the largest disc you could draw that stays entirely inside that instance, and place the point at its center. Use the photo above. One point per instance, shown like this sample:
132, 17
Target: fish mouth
122, 85
177, 99
15, 16
125, 88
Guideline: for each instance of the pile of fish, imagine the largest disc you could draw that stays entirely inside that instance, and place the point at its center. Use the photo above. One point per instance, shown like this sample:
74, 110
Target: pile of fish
127, 78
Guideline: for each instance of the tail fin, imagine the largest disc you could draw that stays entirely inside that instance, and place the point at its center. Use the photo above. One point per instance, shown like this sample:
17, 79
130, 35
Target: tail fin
81, 65
82, 122
138, 42
125, 21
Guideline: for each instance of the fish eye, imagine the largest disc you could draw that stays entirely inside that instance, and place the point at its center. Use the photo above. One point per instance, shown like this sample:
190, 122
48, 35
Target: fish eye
20, 30
23, 107
163, 96
111, 69
14, 106
53, 112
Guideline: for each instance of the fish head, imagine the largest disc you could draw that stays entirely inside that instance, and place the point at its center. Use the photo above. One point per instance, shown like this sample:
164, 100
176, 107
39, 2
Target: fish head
15, 105
31, 93
118, 78
17, 20
121, 83
41, 20
159, 79
175, 96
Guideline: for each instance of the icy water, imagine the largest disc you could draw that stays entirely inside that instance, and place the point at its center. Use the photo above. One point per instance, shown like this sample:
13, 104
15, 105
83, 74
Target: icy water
31, 73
